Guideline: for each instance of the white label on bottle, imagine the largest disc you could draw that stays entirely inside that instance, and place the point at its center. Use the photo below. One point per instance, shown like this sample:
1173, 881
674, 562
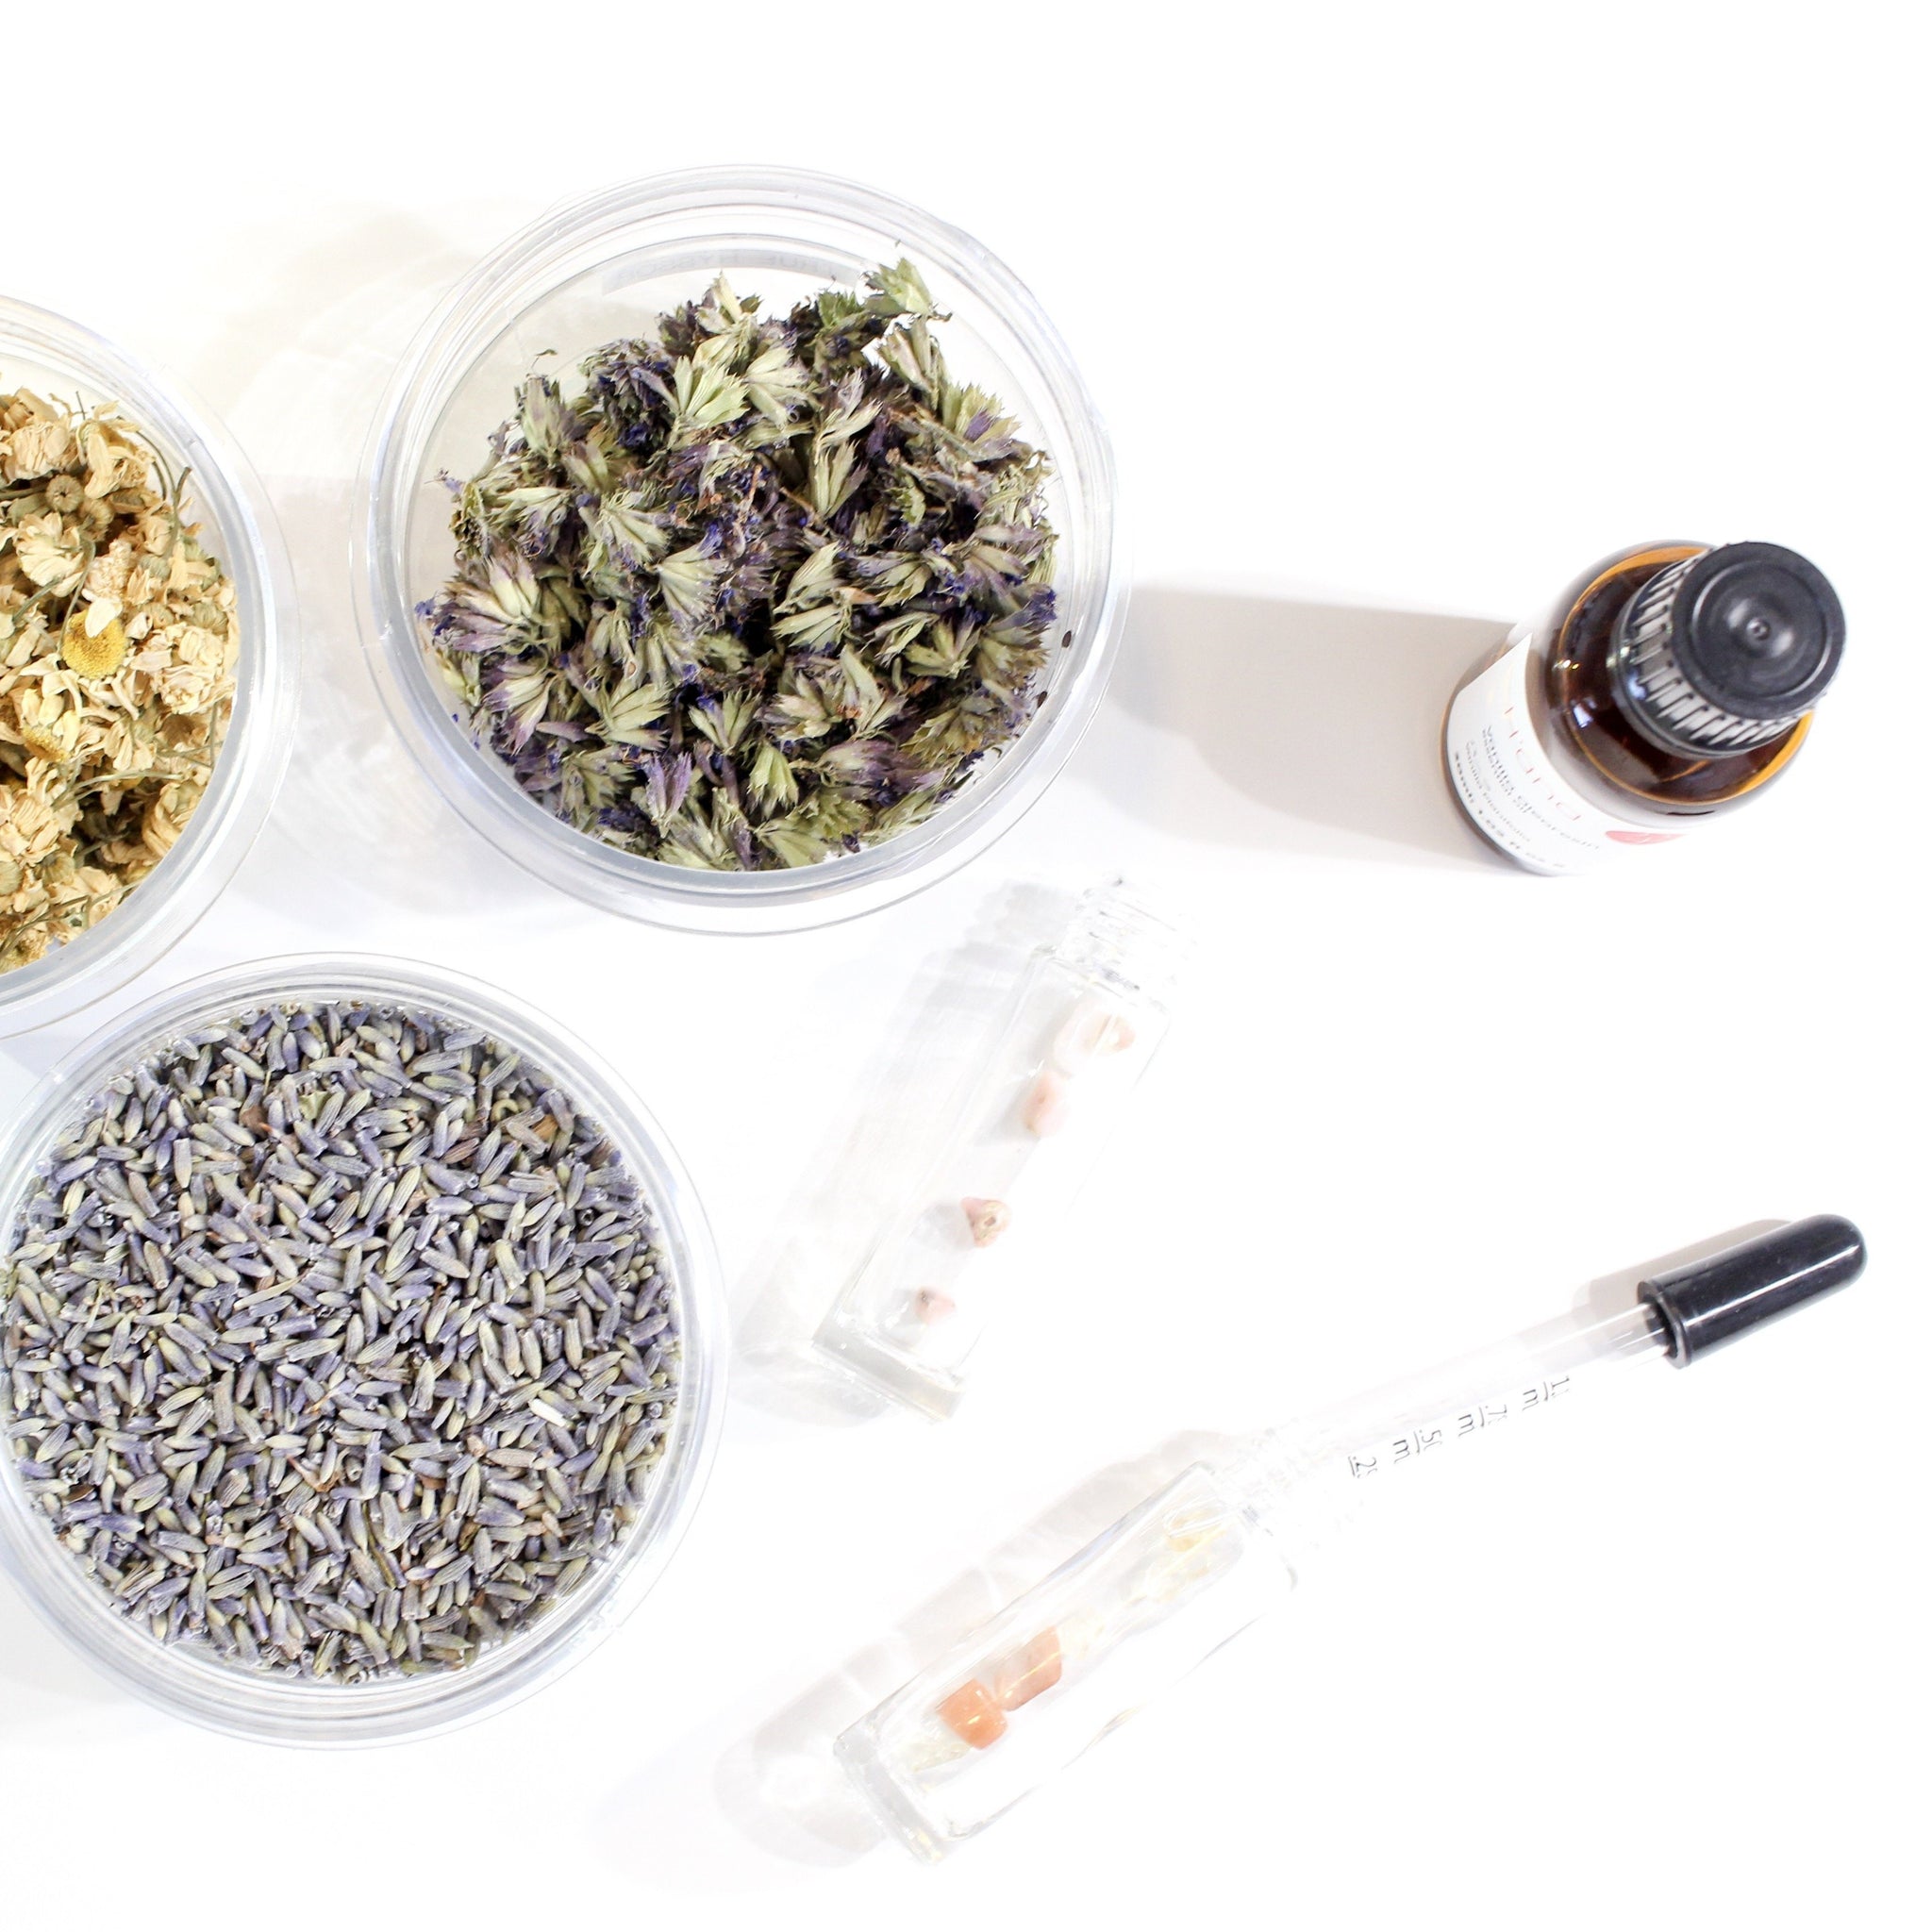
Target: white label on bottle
1511, 787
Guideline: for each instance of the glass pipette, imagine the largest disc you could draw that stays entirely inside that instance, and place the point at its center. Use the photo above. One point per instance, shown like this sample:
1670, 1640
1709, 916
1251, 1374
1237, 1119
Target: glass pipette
1146, 1601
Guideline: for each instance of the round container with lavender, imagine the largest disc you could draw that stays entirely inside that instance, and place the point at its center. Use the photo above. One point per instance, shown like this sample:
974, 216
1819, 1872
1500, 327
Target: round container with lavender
739, 549
361, 1350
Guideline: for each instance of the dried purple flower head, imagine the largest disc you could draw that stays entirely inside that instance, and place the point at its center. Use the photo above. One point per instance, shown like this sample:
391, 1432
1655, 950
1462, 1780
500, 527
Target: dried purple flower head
765, 591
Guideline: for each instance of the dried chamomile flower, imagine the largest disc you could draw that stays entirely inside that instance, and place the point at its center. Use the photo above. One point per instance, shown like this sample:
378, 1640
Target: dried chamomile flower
92, 643
763, 591
117, 668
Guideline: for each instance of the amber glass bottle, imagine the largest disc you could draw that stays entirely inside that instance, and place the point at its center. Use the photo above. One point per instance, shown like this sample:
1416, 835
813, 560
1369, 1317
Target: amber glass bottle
1669, 682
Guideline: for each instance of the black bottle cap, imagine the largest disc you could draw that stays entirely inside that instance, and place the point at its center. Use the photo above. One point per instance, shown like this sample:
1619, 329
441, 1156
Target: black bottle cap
1712, 1301
1729, 649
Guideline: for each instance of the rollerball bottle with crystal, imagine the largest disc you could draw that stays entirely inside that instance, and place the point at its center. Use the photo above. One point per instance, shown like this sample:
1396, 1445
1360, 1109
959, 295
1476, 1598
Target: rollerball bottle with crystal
1669, 682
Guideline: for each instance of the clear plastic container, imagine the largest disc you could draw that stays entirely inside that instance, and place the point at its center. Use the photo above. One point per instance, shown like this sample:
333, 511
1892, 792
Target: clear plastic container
56, 357
190, 1680
602, 268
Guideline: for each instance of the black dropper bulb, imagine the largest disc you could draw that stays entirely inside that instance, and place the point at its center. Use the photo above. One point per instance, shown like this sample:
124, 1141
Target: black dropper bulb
1714, 1301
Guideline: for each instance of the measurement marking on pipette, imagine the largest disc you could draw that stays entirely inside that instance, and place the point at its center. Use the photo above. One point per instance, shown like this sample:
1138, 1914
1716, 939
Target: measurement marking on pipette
1454, 1427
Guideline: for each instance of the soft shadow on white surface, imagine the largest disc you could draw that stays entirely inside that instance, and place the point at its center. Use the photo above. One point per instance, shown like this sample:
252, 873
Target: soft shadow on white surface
356, 813
1329, 717
874, 1156
41, 1681
779, 1786
318, 334
27, 1058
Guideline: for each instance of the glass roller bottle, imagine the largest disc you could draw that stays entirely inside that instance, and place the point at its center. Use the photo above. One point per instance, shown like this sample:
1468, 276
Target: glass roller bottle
1081, 1026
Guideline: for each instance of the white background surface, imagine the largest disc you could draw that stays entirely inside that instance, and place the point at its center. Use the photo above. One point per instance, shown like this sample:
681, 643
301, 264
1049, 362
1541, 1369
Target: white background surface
1399, 316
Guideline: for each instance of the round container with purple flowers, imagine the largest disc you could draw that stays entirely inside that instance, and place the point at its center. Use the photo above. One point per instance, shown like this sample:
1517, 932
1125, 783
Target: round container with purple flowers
707, 580
362, 1351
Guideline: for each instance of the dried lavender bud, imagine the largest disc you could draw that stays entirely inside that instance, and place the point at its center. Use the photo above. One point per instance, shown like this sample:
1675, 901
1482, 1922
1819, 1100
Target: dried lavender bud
336, 1340
762, 591
117, 668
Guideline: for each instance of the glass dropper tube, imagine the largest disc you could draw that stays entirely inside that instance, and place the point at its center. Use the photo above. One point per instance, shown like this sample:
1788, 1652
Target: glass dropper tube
1405, 1421
1192, 1566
